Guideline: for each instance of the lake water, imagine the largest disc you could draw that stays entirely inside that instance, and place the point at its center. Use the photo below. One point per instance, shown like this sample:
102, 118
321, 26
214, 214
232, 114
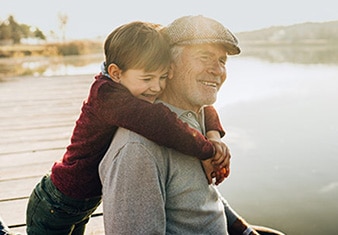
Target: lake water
282, 129
281, 120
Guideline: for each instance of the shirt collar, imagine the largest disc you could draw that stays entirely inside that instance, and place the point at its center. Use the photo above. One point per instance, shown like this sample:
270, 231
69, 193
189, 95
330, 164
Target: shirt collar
196, 120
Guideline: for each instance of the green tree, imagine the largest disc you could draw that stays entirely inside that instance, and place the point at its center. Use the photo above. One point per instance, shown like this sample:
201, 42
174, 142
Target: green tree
16, 31
39, 34
12, 30
5, 32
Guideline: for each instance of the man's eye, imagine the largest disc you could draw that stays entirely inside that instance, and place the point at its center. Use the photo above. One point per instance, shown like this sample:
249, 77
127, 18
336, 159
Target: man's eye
204, 58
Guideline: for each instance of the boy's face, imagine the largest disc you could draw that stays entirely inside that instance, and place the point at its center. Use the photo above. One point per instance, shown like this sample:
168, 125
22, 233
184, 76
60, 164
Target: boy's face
144, 85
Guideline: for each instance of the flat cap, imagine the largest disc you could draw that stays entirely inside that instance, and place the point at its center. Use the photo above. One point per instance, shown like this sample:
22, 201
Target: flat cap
189, 30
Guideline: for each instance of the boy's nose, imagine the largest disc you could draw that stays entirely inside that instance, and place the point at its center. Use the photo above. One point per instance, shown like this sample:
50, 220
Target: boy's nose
156, 86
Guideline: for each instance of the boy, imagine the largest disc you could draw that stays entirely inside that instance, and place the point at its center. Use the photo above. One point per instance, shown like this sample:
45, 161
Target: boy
137, 61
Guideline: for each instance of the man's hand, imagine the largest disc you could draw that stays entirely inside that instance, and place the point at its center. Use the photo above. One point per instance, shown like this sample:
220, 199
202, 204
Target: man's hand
209, 170
239, 226
213, 172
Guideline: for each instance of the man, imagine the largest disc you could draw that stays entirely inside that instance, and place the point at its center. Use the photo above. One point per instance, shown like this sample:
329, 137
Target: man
150, 189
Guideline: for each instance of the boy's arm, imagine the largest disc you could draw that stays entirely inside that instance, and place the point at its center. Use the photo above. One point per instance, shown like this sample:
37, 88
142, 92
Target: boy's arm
215, 132
212, 121
219, 165
154, 121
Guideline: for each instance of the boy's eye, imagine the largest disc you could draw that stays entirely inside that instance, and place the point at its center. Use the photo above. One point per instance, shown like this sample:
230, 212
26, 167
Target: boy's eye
164, 76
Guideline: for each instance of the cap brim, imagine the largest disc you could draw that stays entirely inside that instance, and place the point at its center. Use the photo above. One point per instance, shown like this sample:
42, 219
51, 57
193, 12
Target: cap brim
232, 49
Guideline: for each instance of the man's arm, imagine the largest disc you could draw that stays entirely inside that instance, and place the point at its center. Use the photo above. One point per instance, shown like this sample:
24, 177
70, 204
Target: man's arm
132, 192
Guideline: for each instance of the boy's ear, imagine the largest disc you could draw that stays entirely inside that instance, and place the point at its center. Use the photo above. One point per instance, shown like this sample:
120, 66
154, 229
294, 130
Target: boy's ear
114, 72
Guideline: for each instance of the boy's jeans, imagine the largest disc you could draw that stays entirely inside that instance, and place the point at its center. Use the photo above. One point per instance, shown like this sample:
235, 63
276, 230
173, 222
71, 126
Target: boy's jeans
50, 212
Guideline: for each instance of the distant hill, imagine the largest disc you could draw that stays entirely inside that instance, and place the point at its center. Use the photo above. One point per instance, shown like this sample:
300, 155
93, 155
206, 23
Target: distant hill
308, 33
306, 43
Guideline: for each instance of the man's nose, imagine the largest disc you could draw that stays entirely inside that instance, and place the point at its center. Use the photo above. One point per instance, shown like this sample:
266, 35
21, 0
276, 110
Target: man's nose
216, 68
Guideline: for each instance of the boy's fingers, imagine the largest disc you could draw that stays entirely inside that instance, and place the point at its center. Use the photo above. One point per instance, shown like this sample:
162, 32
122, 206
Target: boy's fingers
226, 172
223, 162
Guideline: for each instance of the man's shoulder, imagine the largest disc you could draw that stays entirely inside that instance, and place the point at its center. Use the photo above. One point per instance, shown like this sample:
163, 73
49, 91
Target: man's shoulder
125, 135
129, 139
130, 147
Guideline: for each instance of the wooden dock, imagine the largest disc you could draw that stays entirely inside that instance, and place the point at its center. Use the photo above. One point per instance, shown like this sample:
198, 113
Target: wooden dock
37, 116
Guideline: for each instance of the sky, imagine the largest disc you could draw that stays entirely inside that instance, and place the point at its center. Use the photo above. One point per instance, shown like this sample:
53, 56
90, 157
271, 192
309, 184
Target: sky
91, 19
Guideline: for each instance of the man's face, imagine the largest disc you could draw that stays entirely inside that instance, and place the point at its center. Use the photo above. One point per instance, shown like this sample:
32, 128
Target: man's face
198, 76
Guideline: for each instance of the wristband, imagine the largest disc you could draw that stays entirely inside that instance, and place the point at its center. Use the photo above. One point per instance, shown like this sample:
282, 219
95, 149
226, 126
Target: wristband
247, 231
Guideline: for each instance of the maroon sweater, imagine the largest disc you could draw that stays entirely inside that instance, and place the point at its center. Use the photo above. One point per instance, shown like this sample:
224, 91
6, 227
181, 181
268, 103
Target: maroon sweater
109, 106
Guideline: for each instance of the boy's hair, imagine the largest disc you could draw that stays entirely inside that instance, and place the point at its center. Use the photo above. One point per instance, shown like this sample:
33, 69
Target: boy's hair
138, 45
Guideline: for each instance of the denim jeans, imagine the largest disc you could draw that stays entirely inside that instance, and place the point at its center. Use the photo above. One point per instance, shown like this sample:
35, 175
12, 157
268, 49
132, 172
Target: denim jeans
3, 227
51, 212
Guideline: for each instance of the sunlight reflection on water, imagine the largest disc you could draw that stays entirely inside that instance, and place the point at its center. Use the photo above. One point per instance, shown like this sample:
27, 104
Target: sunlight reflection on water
72, 70
51, 66
282, 129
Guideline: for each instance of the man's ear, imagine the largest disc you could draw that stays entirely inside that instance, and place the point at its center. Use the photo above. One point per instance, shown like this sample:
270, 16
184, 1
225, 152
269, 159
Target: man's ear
114, 72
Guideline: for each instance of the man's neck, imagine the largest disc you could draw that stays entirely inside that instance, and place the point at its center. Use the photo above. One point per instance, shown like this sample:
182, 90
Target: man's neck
195, 120
179, 103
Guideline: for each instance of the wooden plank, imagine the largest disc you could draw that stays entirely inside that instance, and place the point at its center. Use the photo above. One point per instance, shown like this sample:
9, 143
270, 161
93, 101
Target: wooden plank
29, 158
20, 170
18, 188
43, 145
36, 121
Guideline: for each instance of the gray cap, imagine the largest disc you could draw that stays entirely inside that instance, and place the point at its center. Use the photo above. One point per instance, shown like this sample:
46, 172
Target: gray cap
189, 30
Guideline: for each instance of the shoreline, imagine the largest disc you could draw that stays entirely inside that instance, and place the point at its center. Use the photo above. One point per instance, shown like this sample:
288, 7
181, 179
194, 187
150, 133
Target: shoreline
57, 65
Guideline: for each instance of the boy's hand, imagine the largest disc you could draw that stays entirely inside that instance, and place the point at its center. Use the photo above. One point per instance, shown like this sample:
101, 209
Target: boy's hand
221, 159
218, 166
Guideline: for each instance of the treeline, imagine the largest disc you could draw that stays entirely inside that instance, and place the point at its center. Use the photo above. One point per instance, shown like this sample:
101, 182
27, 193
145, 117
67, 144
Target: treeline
306, 43
12, 31
12, 34
52, 49
305, 33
